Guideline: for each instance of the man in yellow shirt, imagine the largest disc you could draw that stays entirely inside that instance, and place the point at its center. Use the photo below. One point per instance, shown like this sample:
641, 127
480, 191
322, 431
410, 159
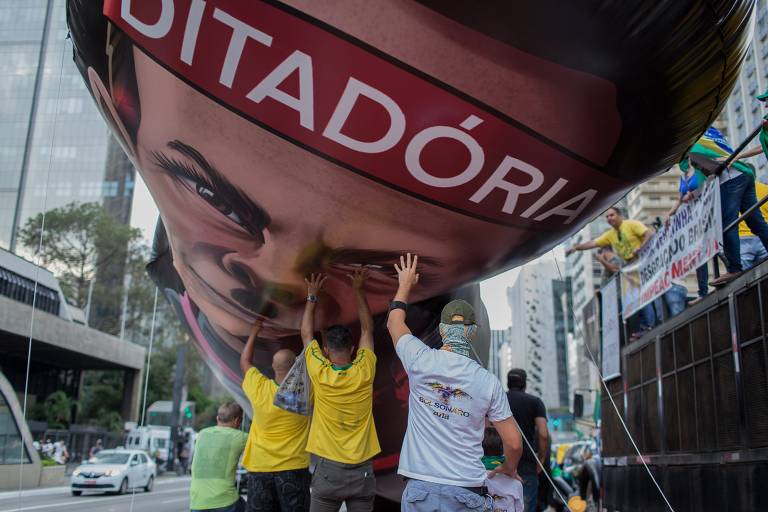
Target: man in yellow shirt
275, 455
342, 434
626, 237
751, 248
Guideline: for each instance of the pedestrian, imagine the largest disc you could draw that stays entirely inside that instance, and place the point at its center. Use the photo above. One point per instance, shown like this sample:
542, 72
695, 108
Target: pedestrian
449, 399
342, 434
48, 448
214, 464
60, 452
626, 238
506, 492
275, 457
95, 449
531, 416
184, 452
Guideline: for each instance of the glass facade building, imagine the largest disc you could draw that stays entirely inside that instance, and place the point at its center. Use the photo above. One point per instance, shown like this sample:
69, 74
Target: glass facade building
54, 146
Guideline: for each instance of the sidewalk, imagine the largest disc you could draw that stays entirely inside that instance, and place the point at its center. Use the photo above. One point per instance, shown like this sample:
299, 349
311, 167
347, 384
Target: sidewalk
164, 479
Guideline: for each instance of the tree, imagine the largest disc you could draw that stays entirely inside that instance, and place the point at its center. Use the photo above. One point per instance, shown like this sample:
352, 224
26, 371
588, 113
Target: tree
81, 241
59, 408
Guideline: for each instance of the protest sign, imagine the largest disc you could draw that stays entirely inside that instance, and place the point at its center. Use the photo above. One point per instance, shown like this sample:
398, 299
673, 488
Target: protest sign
692, 236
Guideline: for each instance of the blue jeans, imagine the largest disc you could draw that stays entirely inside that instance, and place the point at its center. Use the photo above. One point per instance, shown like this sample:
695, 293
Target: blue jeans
675, 298
421, 496
530, 488
737, 195
752, 251
647, 317
703, 278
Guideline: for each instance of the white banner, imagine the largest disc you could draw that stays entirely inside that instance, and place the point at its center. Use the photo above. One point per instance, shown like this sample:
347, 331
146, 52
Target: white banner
609, 313
693, 236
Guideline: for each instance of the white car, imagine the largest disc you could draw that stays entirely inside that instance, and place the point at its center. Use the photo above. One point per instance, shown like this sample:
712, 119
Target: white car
115, 471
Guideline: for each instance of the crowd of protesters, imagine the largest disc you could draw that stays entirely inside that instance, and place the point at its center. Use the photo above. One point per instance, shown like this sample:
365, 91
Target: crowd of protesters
442, 457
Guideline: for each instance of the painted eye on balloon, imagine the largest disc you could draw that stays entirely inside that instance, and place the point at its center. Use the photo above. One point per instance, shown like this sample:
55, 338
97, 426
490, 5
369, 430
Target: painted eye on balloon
212, 188
217, 202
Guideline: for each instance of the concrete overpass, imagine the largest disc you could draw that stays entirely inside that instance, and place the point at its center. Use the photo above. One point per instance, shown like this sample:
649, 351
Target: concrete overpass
61, 349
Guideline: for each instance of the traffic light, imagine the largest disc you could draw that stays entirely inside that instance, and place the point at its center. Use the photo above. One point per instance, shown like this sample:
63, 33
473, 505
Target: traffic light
188, 412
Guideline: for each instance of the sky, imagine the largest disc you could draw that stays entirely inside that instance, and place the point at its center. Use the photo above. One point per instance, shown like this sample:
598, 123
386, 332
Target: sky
493, 291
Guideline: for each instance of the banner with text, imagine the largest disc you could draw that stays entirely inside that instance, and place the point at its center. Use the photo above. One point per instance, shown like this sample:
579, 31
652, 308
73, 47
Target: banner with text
692, 237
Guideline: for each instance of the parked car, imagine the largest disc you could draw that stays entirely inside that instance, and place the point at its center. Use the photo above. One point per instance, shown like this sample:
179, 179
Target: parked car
115, 471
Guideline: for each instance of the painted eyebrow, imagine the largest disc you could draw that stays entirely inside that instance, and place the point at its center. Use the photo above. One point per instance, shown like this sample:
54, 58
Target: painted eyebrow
242, 204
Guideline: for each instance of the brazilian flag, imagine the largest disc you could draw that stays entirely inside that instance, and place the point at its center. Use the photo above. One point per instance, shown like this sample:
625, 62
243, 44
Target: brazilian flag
708, 149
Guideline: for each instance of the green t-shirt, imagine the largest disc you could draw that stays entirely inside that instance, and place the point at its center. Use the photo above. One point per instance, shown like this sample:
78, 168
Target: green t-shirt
217, 452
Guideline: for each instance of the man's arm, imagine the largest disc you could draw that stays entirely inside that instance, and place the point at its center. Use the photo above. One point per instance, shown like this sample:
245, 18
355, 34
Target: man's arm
543, 436
609, 266
585, 246
246, 357
407, 279
314, 285
647, 235
363, 311
750, 153
513, 447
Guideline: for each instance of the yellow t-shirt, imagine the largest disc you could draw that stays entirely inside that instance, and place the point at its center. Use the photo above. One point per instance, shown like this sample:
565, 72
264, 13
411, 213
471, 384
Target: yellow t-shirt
626, 240
278, 439
761, 190
342, 427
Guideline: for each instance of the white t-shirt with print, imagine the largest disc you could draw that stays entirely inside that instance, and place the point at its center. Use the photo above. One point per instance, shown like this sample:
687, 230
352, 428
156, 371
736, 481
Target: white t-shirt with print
507, 493
450, 395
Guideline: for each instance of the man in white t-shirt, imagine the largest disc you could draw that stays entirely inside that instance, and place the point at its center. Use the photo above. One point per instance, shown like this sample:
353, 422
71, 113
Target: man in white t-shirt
450, 397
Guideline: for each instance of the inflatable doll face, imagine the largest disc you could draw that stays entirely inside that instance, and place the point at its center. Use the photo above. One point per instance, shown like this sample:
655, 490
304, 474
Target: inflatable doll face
250, 214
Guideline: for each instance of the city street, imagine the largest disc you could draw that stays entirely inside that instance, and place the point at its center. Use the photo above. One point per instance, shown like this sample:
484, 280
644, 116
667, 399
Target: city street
169, 495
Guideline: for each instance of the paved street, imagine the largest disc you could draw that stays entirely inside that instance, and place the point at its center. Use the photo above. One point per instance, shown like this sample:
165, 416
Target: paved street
169, 495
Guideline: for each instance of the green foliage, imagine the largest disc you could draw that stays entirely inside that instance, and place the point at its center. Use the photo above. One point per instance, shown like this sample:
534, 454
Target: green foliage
102, 397
47, 461
82, 242
59, 409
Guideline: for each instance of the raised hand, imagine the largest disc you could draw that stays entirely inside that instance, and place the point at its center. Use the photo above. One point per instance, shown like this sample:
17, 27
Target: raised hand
315, 283
407, 277
358, 278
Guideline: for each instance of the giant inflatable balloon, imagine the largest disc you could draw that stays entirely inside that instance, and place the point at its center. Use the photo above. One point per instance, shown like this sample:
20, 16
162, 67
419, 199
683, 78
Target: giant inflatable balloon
283, 138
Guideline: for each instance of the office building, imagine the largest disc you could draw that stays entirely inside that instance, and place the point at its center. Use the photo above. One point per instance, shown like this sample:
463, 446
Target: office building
533, 346
54, 146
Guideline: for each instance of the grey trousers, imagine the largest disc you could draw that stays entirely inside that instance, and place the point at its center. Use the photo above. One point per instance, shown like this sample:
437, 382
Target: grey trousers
421, 496
334, 483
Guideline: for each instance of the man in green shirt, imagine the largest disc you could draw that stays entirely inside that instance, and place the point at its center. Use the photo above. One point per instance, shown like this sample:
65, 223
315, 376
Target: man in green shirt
217, 452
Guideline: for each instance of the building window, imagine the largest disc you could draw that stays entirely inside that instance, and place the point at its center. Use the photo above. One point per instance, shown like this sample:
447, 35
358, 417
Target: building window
11, 449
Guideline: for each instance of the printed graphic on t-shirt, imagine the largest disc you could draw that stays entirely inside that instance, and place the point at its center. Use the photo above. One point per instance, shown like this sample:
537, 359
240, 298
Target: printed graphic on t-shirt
442, 407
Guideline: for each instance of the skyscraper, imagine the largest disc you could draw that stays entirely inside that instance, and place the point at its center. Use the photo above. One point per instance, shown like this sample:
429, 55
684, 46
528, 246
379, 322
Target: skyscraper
533, 346
54, 146
562, 305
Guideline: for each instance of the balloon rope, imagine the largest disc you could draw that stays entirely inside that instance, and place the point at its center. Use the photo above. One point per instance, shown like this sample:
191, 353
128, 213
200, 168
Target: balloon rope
146, 379
528, 444
613, 403
37, 264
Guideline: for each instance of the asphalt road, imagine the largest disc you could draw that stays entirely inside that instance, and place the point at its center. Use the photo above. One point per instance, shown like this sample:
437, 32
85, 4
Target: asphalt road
169, 495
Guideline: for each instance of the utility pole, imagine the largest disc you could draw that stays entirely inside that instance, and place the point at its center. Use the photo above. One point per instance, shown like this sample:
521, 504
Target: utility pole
178, 385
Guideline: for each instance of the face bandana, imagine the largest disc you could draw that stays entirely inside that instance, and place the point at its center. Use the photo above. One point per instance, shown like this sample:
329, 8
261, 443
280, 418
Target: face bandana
455, 340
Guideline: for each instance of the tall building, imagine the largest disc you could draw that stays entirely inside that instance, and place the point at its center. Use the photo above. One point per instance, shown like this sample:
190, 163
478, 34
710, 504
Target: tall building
499, 340
654, 198
585, 272
743, 113
534, 346
562, 305
54, 146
